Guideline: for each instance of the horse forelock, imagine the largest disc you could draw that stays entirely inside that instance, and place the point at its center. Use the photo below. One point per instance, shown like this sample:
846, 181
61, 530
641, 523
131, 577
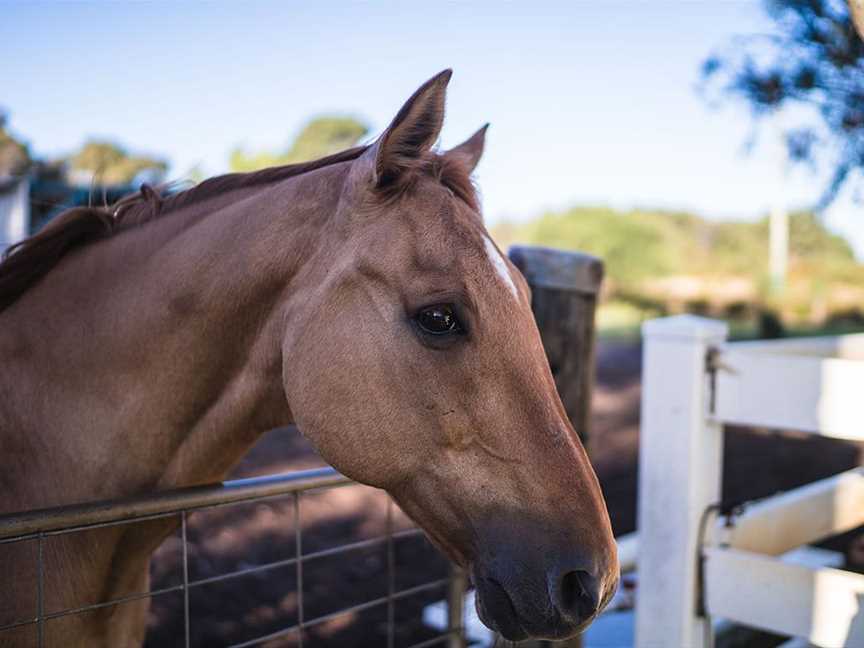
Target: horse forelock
450, 172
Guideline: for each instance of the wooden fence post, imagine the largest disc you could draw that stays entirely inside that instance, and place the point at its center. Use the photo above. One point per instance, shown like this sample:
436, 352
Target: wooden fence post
680, 467
565, 287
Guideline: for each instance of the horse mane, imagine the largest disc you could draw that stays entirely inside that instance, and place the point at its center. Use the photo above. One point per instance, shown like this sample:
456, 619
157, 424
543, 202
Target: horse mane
26, 262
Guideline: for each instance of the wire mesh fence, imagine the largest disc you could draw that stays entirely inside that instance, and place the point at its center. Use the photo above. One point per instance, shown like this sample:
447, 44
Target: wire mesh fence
41, 526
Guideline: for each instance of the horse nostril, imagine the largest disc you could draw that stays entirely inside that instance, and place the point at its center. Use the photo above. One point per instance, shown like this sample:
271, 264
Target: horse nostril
578, 595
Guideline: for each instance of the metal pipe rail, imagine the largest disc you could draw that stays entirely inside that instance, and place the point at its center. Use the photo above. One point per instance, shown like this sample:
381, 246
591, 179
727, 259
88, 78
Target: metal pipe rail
42, 523
48, 521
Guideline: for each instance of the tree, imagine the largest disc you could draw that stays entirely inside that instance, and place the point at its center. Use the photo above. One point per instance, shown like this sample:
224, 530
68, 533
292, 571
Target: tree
110, 164
814, 62
14, 156
319, 137
639, 246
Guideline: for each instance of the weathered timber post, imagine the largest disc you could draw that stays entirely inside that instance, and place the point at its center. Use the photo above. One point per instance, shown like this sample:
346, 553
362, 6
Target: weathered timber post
456, 589
565, 287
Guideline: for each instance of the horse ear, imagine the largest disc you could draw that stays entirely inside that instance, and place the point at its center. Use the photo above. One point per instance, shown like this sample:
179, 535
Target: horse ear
412, 132
471, 150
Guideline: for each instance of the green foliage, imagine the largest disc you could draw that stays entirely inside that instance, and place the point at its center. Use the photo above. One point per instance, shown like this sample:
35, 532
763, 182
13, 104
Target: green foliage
110, 164
633, 245
738, 248
319, 137
813, 60
810, 241
663, 262
639, 246
14, 156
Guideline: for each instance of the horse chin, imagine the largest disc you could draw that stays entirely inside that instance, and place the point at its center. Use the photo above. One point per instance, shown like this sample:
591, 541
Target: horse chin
496, 611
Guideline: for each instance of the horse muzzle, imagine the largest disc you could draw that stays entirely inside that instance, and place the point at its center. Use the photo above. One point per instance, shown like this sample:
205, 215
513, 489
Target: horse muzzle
558, 602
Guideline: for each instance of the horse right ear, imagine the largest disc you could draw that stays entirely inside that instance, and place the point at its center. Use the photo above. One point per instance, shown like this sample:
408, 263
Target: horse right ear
412, 132
471, 150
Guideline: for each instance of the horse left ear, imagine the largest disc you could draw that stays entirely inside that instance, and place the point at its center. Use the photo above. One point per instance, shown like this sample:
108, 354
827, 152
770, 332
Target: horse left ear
470, 151
412, 132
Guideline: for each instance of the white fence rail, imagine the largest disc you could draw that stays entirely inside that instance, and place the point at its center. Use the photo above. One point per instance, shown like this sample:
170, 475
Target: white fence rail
791, 392
821, 605
780, 523
692, 567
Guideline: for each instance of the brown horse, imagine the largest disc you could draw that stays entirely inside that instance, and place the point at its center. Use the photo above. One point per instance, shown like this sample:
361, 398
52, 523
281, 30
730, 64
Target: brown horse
360, 297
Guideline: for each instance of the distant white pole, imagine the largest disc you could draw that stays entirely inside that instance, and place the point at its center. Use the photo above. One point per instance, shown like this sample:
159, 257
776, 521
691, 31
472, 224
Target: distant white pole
779, 224
680, 460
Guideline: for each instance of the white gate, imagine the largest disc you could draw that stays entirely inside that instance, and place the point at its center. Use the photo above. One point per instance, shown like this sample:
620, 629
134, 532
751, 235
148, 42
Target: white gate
693, 566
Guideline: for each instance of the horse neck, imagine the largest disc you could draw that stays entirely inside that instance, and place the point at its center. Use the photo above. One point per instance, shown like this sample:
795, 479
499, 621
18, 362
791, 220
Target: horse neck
153, 359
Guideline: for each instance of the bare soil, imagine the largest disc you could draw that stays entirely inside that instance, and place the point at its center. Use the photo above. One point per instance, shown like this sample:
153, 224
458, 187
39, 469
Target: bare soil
757, 463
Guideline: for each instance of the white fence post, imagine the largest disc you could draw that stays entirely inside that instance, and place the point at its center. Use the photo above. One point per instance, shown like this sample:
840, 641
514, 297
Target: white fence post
680, 463
14, 211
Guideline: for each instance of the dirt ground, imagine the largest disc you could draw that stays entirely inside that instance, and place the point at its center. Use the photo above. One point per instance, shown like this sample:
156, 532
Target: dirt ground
757, 463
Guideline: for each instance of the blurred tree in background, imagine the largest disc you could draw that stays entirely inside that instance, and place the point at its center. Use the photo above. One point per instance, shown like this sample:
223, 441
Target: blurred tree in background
110, 164
814, 63
14, 156
319, 137
667, 261
641, 245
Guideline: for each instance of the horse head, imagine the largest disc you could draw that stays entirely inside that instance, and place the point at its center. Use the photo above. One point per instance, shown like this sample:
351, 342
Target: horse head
416, 366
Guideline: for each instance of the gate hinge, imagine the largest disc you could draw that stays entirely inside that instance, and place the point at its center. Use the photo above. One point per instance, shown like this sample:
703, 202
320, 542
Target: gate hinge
713, 364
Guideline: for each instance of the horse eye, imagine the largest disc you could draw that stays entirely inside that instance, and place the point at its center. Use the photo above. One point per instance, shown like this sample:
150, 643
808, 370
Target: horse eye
438, 320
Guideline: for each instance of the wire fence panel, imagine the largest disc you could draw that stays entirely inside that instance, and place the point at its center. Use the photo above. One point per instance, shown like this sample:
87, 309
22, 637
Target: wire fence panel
40, 526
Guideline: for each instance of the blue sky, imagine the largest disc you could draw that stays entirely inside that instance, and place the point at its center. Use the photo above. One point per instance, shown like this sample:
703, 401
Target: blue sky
590, 102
